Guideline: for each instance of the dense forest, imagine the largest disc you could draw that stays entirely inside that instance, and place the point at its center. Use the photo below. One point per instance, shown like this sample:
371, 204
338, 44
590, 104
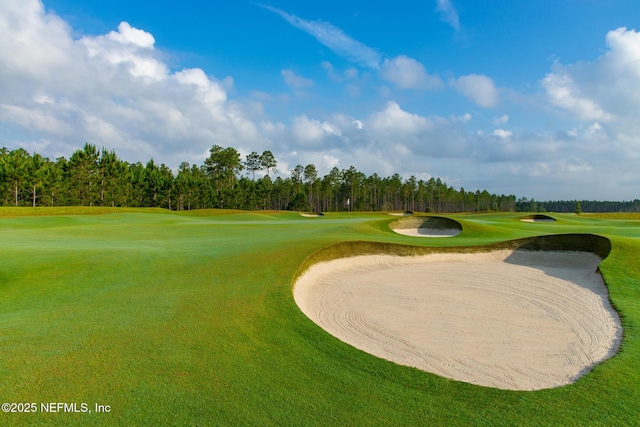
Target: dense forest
569, 206
92, 177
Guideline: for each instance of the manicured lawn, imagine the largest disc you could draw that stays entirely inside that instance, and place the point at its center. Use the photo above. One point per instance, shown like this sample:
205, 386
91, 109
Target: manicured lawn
188, 319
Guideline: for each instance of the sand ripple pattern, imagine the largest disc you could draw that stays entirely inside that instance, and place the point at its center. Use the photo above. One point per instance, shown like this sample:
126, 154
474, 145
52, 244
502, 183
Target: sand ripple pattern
517, 320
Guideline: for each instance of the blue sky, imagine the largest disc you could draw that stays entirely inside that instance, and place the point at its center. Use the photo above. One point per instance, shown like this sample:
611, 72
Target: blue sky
534, 98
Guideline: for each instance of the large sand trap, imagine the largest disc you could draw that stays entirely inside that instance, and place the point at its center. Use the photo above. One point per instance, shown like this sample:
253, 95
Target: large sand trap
518, 320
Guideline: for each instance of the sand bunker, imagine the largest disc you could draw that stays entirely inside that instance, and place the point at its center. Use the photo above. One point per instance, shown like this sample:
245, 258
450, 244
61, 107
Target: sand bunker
312, 214
538, 218
432, 226
405, 213
517, 320
428, 232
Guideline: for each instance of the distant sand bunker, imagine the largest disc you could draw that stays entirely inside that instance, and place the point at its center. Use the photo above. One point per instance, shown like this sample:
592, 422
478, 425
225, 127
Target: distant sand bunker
312, 214
517, 320
427, 227
538, 218
428, 232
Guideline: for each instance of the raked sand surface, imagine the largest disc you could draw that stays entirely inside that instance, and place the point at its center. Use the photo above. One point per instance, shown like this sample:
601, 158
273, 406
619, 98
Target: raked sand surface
518, 320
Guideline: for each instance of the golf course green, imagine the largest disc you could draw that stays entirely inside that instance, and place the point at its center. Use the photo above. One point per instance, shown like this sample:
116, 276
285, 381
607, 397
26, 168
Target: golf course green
154, 317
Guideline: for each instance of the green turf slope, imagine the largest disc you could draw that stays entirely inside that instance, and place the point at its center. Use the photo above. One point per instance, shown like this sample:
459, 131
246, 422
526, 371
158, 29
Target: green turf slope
188, 319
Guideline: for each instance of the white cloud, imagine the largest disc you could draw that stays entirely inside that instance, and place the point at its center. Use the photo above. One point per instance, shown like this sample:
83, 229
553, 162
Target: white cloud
593, 131
407, 73
423, 137
115, 90
38, 119
502, 133
394, 119
387, 141
448, 13
604, 97
562, 168
111, 90
32, 43
210, 93
479, 88
394, 140
465, 118
309, 131
334, 38
500, 120
564, 93
44, 99
295, 81
130, 47
127, 34
605, 90
329, 161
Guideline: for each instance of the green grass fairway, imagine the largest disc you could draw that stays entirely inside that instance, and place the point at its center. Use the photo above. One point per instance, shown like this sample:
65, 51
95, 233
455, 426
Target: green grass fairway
188, 319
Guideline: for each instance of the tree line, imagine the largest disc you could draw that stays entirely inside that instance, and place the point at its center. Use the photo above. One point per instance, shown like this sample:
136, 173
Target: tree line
569, 206
92, 177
